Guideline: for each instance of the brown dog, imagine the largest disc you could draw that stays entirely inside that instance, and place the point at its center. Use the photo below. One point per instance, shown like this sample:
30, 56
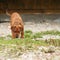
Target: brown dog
17, 26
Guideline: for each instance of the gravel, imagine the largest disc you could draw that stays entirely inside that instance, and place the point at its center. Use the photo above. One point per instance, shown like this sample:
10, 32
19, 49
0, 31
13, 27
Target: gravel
10, 53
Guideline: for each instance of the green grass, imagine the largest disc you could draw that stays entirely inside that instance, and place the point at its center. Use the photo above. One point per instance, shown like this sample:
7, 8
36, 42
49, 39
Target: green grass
28, 34
28, 40
25, 41
40, 34
28, 31
29, 43
52, 32
37, 35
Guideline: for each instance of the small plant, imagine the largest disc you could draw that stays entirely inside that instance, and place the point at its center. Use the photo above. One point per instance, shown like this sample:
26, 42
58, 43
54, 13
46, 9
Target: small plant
51, 49
28, 34
37, 35
55, 42
28, 31
9, 36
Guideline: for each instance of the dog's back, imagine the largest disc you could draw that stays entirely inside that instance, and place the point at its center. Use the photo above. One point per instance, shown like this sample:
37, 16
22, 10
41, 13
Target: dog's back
16, 18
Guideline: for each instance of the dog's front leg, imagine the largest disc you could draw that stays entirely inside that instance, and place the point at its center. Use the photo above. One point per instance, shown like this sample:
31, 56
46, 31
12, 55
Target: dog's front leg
13, 35
22, 34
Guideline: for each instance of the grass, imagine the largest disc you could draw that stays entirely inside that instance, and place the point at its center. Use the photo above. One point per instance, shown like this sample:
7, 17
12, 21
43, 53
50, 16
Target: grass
28, 34
16, 47
37, 35
52, 32
29, 42
25, 41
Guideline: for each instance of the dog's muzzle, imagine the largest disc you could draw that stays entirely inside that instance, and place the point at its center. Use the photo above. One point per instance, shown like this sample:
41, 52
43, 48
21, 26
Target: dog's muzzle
16, 35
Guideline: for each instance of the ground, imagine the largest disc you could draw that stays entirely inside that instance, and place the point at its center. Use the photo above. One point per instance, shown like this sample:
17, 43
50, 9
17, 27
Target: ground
32, 48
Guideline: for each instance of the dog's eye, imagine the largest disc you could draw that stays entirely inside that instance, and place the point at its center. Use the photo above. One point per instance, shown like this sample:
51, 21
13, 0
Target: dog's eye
14, 26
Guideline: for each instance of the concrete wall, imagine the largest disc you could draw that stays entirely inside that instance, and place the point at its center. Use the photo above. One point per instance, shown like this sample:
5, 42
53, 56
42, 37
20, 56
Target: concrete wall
32, 17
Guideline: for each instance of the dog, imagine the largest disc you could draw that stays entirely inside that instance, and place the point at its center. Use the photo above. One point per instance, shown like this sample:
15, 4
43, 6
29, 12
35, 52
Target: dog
17, 26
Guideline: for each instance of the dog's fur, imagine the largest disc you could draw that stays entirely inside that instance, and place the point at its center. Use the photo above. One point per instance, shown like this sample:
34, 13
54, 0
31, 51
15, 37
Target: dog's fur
17, 26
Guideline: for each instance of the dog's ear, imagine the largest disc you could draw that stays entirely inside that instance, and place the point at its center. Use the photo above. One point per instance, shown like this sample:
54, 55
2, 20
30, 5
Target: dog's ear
12, 28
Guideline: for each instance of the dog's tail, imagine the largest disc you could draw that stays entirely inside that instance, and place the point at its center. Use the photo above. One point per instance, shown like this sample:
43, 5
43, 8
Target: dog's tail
7, 13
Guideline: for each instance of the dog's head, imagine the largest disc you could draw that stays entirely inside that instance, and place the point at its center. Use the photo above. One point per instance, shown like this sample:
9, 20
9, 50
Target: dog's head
16, 29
